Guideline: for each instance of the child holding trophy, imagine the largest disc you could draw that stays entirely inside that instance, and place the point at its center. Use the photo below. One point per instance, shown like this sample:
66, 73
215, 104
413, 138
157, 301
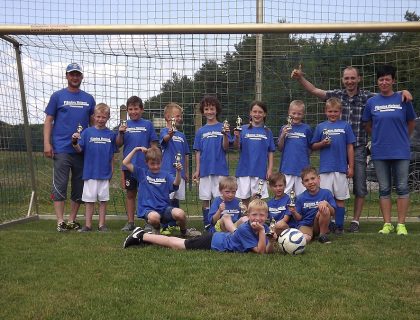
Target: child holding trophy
334, 138
133, 133
175, 150
256, 145
295, 144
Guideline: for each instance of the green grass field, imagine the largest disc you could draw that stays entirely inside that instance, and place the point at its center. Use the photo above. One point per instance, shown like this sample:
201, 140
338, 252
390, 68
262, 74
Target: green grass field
48, 275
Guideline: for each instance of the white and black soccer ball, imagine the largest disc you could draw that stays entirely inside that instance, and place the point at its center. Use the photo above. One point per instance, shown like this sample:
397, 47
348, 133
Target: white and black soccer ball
292, 241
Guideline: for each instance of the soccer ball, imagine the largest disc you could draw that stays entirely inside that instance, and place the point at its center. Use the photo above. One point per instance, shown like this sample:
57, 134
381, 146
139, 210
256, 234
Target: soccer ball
292, 241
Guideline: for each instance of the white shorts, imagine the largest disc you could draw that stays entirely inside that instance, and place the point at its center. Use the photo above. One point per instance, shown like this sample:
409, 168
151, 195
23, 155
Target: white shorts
248, 186
294, 183
337, 183
95, 190
180, 193
209, 187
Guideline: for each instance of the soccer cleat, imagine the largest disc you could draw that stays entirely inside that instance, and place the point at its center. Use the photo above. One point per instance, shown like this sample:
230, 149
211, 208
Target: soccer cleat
323, 239
129, 227
387, 229
339, 231
62, 227
354, 227
332, 226
103, 228
135, 238
192, 233
85, 229
401, 229
73, 225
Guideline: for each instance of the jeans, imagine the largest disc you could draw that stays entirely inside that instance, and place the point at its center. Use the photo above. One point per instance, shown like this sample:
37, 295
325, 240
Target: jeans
359, 177
396, 169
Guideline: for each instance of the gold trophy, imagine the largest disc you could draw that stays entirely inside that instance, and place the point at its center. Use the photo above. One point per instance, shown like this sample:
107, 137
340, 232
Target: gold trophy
292, 199
259, 191
225, 126
238, 123
242, 208
79, 129
289, 122
177, 159
271, 228
173, 124
326, 135
123, 115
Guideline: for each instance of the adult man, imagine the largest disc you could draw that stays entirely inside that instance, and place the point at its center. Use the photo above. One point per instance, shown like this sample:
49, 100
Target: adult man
353, 103
68, 109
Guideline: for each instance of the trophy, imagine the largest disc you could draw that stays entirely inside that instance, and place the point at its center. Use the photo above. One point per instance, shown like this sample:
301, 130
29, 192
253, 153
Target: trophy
173, 124
292, 199
259, 191
79, 129
177, 159
238, 123
242, 208
271, 228
123, 115
225, 126
326, 135
289, 122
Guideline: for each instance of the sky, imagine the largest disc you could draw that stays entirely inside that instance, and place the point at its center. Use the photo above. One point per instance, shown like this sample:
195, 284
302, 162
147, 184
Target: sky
109, 76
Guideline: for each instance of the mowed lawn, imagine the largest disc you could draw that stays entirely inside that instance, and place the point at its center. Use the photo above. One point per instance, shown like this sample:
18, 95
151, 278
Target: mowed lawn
48, 275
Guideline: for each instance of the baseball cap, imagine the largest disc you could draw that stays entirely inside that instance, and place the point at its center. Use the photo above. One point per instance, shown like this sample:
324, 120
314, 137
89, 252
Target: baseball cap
74, 67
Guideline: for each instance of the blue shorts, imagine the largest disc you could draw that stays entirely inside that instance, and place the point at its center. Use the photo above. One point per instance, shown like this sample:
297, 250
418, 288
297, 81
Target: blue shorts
165, 215
129, 180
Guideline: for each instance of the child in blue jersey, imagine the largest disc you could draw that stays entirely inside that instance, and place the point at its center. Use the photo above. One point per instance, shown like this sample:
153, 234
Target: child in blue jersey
225, 211
256, 145
249, 237
391, 122
334, 138
137, 132
314, 208
98, 143
174, 144
156, 185
211, 143
295, 145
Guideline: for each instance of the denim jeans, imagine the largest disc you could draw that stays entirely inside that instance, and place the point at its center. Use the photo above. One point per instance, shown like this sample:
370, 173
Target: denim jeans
359, 177
398, 170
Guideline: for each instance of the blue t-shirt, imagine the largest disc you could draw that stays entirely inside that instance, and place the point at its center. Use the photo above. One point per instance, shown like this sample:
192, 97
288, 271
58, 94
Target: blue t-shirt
154, 190
98, 146
389, 116
333, 158
209, 141
244, 239
255, 145
307, 205
296, 150
231, 208
178, 143
139, 133
69, 109
277, 208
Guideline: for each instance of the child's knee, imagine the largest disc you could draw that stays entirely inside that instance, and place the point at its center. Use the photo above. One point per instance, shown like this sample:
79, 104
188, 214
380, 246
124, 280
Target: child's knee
178, 214
153, 218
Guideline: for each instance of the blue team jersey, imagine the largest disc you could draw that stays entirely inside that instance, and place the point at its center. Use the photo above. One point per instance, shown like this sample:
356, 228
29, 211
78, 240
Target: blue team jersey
244, 239
296, 150
209, 141
69, 109
307, 205
231, 208
255, 145
277, 208
154, 190
139, 133
98, 146
333, 158
389, 116
178, 143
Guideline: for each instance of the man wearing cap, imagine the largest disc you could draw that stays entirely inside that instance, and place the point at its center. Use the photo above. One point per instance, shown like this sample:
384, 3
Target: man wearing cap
68, 110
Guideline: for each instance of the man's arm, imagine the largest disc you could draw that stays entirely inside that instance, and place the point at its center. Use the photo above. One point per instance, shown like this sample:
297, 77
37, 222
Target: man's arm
48, 149
298, 74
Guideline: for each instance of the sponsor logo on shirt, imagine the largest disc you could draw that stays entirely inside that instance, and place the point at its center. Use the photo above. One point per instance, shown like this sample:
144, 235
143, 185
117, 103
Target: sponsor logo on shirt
156, 181
277, 210
335, 132
212, 134
231, 212
311, 205
99, 140
136, 129
296, 135
76, 104
255, 136
178, 139
387, 107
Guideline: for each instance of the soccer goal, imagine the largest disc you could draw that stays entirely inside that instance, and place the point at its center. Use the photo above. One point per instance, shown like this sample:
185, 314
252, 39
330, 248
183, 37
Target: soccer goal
242, 51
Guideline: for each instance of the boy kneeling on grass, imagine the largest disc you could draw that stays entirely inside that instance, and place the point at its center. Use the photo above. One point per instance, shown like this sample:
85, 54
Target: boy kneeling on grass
250, 236
156, 185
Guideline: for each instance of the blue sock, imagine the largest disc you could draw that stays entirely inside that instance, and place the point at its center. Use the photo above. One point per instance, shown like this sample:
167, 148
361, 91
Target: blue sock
339, 217
206, 216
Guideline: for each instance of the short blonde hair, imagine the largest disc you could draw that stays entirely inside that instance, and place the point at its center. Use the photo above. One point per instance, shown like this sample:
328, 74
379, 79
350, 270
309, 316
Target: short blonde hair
258, 204
297, 103
333, 102
167, 112
228, 183
153, 153
103, 108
